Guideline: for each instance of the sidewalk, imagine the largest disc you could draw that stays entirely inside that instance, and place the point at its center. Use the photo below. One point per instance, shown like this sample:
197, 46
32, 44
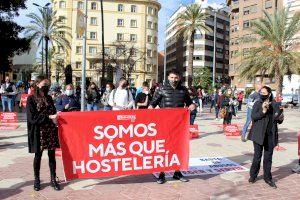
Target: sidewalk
16, 173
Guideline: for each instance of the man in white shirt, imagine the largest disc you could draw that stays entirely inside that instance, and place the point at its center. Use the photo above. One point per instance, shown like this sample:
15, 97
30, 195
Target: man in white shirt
8, 91
121, 98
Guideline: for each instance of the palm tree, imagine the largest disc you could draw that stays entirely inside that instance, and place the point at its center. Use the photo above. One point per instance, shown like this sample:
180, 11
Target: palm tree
191, 20
47, 27
275, 57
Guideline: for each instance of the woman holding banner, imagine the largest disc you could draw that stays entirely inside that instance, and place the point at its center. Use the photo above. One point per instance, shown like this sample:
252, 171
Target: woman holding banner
42, 130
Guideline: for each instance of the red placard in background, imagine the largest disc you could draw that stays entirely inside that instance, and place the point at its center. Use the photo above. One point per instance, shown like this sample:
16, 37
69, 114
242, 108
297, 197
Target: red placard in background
232, 130
194, 131
8, 117
114, 143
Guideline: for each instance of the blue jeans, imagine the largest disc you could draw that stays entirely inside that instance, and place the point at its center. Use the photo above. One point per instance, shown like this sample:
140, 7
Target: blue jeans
9, 102
92, 107
248, 121
217, 109
193, 115
107, 108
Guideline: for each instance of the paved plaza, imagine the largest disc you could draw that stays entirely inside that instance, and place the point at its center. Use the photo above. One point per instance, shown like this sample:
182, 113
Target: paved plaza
16, 171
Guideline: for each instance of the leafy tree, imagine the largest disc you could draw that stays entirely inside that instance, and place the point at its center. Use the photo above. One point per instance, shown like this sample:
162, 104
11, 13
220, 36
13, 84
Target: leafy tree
191, 20
46, 26
276, 57
202, 77
9, 33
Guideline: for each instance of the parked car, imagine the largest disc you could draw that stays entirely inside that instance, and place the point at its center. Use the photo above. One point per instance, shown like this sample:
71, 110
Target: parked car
289, 99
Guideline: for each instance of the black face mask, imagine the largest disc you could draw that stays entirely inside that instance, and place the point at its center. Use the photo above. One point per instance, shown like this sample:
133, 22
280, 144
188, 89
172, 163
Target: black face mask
264, 97
45, 90
173, 83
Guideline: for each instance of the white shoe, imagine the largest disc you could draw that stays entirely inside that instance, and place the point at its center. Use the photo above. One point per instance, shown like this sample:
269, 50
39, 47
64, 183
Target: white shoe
217, 119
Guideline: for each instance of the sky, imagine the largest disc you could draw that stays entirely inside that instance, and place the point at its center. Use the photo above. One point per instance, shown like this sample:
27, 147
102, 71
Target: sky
167, 9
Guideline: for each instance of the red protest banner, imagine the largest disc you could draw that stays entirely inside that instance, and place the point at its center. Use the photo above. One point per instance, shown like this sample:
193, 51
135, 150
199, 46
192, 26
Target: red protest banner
8, 117
24, 99
114, 143
231, 130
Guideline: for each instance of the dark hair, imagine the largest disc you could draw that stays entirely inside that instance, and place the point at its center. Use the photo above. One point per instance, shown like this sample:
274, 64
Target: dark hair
174, 72
38, 79
269, 90
111, 85
145, 84
122, 78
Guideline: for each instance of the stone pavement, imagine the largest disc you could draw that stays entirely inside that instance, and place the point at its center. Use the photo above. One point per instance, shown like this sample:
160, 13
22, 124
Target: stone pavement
16, 173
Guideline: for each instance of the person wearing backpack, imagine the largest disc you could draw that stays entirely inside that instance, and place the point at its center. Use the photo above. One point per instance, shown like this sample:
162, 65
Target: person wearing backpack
121, 98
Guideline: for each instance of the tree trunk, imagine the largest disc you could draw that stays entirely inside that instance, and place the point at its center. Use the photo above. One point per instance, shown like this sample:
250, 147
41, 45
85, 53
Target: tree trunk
278, 82
46, 50
190, 61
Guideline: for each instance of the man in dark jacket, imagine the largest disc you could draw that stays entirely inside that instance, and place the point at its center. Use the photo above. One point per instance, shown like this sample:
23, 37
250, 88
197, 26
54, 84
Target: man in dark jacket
172, 95
266, 115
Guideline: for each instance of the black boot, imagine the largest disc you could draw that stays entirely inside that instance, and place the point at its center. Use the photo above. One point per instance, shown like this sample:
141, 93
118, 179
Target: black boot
53, 182
37, 184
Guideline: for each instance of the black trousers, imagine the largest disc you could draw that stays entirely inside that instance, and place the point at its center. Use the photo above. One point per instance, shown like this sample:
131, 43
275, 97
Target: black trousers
37, 163
267, 148
227, 118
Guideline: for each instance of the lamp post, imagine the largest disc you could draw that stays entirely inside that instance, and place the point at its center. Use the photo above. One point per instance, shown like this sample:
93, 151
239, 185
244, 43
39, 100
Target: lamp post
45, 7
102, 34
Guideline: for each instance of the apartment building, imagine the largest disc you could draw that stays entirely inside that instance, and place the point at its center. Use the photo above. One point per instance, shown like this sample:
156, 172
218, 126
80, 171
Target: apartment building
127, 22
177, 48
243, 12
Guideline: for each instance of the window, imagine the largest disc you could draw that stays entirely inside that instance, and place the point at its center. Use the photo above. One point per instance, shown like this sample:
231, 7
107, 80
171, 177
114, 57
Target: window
62, 19
120, 8
120, 22
155, 11
78, 65
106, 50
94, 6
149, 68
133, 52
93, 20
92, 50
133, 8
133, 23
133, 37
246, 24
62, 4
149, 25
93, 35
80, 5
120, 37
149, 38
61, 34
250, 9
235, 28
149, 53
155, 40
119, 51
268, 4
79, 49
150, 10
79, 36
155, 26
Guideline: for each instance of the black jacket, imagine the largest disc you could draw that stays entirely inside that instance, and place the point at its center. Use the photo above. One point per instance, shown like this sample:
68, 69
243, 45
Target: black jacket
260, 122
225, 104
93, 98
34, 119
168, 97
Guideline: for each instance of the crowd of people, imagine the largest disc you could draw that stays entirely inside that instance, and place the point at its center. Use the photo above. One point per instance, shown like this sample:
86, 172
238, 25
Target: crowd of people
45, 102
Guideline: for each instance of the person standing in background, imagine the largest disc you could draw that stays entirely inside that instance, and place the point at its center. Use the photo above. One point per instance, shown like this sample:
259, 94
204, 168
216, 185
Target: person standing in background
105, 96
121, 98
144, 98
8, 91
92, 97
228, 102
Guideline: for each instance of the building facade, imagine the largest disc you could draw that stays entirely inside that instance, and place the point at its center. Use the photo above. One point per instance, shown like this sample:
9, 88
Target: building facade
177, 48
129, 26
242, 14
294, 6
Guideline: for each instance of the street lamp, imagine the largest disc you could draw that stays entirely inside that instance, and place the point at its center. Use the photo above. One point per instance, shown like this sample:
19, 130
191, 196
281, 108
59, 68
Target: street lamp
44, 8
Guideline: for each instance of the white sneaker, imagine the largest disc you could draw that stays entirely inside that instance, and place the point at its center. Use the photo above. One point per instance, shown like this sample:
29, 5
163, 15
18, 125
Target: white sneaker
217, 119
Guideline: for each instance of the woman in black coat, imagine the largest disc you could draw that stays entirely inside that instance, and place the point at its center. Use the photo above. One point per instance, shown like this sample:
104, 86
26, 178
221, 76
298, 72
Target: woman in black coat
42, 130
266, 114
228, 102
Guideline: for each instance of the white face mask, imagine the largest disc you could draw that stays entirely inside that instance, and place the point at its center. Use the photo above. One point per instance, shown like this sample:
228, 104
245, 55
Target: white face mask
69, 92
108, 89
146, 92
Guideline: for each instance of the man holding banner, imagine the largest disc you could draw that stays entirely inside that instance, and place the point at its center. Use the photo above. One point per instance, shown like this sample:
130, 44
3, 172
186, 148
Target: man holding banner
172, 95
